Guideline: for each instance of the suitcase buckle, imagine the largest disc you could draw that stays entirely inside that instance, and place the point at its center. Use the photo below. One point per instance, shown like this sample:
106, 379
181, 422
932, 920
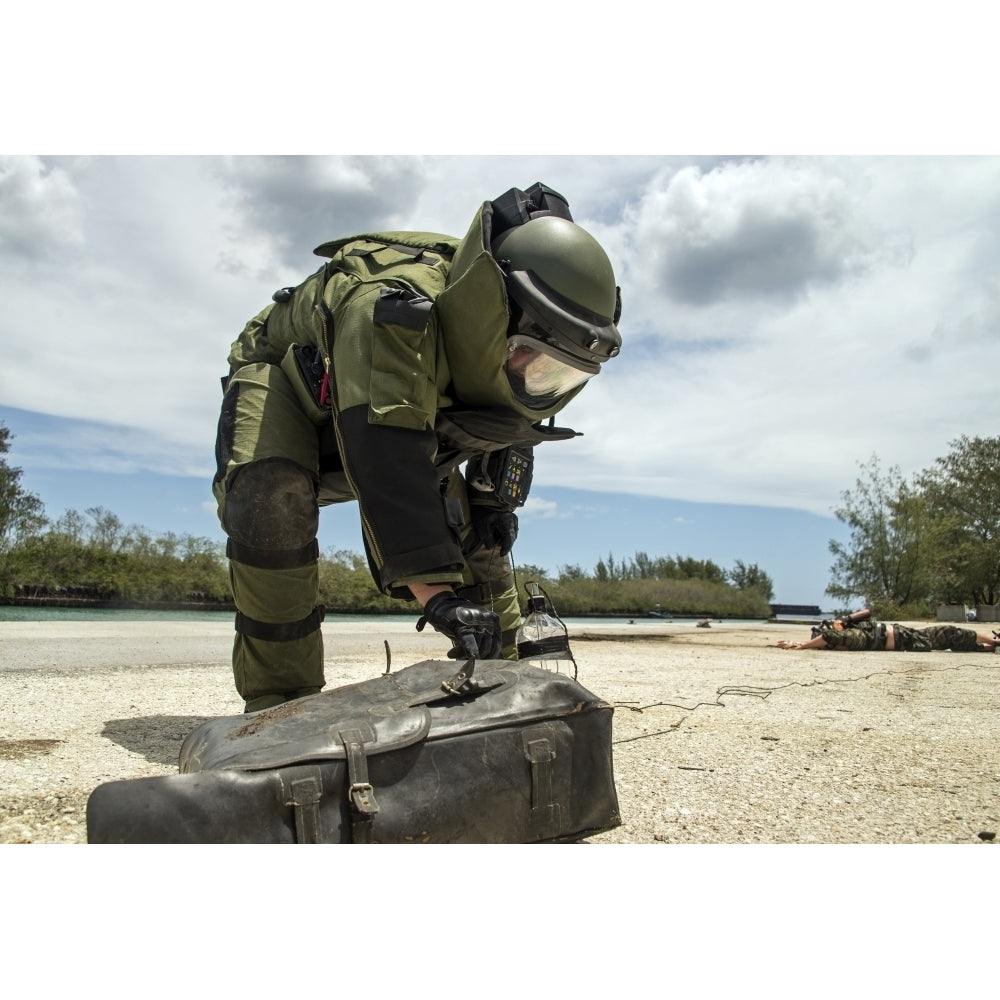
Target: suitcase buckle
461, 683
362, 797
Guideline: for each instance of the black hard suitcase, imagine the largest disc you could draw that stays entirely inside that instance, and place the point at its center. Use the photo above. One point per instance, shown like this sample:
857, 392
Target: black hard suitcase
499, 753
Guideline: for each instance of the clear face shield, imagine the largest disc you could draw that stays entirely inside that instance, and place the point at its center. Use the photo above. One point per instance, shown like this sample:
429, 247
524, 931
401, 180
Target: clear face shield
556, 345
539, 378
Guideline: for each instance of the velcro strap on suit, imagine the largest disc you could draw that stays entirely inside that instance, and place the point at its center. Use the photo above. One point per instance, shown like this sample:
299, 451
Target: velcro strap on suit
360, 794
280, 631
249, 555
416, 253
479, 593
403, 307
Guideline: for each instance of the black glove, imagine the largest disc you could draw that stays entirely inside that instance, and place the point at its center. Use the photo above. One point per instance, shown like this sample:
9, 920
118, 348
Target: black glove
497, 529
474, 631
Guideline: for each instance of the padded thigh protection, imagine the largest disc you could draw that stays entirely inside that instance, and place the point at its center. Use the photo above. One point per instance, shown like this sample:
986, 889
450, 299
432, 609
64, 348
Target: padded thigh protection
271, 515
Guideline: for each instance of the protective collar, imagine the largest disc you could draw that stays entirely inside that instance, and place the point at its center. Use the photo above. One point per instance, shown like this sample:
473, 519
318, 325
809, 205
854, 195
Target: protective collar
474, 314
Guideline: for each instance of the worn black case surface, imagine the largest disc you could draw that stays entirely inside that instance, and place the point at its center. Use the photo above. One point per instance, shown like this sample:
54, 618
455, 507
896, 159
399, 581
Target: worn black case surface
520, 755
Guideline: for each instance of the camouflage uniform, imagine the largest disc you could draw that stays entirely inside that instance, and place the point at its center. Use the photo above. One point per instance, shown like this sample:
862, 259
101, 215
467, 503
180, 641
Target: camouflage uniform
953, 637
856, 637
869, 635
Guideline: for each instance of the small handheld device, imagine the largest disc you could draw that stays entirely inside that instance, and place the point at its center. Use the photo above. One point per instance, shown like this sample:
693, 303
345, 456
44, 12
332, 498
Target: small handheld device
506, 474
513, 476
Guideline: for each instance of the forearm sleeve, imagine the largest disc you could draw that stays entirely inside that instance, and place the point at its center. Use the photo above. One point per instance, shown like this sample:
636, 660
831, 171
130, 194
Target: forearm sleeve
403, 513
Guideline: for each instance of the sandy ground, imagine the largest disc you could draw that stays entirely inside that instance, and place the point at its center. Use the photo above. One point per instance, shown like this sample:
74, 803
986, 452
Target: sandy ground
719, 736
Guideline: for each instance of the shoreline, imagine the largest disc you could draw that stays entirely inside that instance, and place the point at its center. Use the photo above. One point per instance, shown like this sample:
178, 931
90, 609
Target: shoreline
98, 604
171, 606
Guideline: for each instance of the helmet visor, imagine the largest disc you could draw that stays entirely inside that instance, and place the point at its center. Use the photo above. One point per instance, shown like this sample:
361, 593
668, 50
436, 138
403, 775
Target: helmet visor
574, 333
538, 378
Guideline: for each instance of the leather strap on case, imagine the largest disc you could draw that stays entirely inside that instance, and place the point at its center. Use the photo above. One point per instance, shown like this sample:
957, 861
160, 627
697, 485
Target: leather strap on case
304, 797
360, 794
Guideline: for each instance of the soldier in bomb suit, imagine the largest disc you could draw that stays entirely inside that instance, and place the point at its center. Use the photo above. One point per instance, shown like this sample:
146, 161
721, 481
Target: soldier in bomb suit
405, 357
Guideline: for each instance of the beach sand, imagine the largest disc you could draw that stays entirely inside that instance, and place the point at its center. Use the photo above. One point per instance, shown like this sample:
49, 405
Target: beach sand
719, 736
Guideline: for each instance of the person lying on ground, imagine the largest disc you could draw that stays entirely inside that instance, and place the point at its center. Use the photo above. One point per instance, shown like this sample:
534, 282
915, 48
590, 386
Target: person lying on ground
859, 633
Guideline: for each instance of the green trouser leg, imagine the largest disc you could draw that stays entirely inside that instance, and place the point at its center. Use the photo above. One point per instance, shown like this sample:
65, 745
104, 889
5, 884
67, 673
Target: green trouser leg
265, 485
269, 672
488, 576
491, 590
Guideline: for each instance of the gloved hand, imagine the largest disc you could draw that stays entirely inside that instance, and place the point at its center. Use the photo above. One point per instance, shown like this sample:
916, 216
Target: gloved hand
474, 631
495, 528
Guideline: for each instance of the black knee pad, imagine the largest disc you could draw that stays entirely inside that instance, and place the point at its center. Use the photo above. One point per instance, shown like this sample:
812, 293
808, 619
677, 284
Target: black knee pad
271, 508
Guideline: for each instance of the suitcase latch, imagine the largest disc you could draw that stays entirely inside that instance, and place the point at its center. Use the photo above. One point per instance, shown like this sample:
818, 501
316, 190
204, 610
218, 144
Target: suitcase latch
362, 797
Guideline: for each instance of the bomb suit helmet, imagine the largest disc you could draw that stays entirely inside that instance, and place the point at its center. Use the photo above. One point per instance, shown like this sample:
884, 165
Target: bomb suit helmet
564, 303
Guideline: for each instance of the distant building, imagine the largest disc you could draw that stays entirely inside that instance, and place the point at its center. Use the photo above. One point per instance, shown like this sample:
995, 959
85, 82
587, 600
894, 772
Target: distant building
795, 609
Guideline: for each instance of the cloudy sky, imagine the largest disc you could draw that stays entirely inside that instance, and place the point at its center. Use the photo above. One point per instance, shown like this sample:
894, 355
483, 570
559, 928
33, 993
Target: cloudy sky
785, 316
784, 319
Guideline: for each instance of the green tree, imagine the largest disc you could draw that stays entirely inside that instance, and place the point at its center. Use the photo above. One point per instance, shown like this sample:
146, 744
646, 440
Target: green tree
751, 577
21, 513
885, 561
606, 571
570, 572
962, 494
700, 569
345, 583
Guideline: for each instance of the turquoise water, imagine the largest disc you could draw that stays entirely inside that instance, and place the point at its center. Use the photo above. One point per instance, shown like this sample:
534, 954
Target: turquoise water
10, 613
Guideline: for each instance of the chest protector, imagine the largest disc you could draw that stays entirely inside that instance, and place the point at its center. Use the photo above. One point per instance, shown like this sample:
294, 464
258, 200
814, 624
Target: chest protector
428, 349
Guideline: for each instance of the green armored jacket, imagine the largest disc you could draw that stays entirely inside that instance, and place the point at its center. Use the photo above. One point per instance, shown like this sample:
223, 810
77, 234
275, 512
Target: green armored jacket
405, 337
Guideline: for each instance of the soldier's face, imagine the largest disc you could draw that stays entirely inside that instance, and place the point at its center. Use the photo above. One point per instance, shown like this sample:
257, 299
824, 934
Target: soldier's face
518, 359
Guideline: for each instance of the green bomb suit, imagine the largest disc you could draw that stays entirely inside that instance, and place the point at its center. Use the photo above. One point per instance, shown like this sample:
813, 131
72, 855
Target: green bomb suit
374, 380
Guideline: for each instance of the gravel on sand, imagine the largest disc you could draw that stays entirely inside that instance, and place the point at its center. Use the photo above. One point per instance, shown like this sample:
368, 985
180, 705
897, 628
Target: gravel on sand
719, 736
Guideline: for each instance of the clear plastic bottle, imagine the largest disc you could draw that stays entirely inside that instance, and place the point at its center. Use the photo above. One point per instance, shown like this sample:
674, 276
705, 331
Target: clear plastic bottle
541, 637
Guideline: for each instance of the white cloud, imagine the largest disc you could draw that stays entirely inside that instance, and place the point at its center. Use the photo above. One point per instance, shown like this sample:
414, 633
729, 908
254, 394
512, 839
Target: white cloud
775, 406
783, 318
294, 203
539, 509
42, 217
762, 229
